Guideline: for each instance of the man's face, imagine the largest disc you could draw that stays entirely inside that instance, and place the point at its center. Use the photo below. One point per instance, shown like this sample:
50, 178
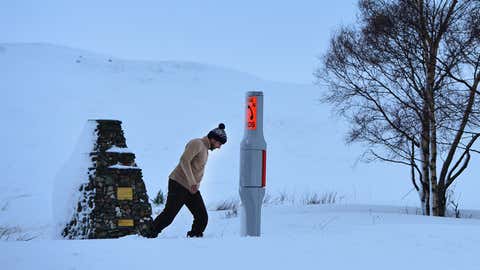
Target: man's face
214, 144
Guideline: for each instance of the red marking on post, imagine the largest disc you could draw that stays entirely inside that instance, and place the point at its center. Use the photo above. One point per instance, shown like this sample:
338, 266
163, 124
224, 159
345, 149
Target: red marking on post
264, 168
252, 113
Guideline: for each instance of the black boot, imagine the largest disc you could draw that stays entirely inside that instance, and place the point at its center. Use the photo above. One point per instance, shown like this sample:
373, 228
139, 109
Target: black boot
149, 231
191, 234
151, 234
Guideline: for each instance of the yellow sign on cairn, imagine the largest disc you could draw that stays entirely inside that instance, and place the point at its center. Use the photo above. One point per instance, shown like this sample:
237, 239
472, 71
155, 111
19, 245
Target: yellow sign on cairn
124, 193
125, 223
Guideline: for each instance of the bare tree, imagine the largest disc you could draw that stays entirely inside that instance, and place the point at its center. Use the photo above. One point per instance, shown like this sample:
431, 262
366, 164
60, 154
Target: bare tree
406, 77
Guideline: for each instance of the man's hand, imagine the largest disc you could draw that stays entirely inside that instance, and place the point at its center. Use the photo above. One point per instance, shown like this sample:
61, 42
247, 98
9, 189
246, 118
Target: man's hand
194, 189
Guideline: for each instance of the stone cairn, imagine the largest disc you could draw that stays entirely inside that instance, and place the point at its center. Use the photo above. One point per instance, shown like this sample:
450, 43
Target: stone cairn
114, 201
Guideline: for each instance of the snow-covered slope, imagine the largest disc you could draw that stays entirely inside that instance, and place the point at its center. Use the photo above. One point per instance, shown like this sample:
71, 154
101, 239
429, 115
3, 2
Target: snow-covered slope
294, 237
48, 93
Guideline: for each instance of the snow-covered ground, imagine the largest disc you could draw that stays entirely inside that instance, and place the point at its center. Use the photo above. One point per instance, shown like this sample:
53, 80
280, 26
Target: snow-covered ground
294, 237
49, 92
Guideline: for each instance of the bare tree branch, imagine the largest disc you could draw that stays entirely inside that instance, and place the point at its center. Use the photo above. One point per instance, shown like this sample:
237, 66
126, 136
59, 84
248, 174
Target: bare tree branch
406, 77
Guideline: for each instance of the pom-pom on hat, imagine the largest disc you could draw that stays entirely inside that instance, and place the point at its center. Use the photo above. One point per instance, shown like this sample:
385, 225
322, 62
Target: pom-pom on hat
218, 134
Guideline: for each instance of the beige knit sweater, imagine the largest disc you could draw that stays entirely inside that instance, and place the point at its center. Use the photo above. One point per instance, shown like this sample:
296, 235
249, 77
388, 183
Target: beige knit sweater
191, 167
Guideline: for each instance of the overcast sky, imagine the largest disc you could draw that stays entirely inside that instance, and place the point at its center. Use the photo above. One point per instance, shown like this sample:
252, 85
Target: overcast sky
276, 40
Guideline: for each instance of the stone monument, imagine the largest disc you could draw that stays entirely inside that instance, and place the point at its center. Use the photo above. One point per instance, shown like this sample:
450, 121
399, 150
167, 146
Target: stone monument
113, 201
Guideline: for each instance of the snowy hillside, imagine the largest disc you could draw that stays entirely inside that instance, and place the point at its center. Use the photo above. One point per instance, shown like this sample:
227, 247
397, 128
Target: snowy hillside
49, 92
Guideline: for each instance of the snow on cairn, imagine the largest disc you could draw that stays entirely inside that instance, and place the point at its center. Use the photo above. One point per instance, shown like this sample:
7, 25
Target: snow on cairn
70, 177
101, 187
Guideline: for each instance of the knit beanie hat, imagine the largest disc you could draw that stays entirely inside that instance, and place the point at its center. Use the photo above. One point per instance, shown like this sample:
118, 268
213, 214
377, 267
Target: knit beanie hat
218, 134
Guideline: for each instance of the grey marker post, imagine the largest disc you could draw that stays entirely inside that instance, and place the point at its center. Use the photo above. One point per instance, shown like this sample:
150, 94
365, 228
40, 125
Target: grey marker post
252, 165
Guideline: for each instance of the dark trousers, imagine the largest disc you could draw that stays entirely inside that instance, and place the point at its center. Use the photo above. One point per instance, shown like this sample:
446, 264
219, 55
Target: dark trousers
177, 197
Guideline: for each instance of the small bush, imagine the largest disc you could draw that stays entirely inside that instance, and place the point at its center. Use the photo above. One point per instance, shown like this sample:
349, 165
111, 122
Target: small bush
231, 213
159, 199
231, 206
325, 198
227, 205
14, 233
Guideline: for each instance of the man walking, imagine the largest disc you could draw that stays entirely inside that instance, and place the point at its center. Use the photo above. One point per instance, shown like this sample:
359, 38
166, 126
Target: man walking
184, 183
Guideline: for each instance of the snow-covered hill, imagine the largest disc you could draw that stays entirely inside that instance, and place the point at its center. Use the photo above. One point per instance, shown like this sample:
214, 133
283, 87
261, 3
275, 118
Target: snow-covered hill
48, 93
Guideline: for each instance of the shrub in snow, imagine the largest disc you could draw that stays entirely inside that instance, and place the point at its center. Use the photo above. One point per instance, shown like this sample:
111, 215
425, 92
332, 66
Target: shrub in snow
230, 206
325, 198
15, 234
159, 199
231, 213
227, 205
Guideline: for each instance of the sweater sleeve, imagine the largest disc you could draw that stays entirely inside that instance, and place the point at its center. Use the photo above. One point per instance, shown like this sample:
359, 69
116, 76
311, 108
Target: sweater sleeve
191, 150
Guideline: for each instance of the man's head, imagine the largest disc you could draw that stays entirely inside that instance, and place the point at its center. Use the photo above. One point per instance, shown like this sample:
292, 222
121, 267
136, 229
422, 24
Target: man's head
217, 137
